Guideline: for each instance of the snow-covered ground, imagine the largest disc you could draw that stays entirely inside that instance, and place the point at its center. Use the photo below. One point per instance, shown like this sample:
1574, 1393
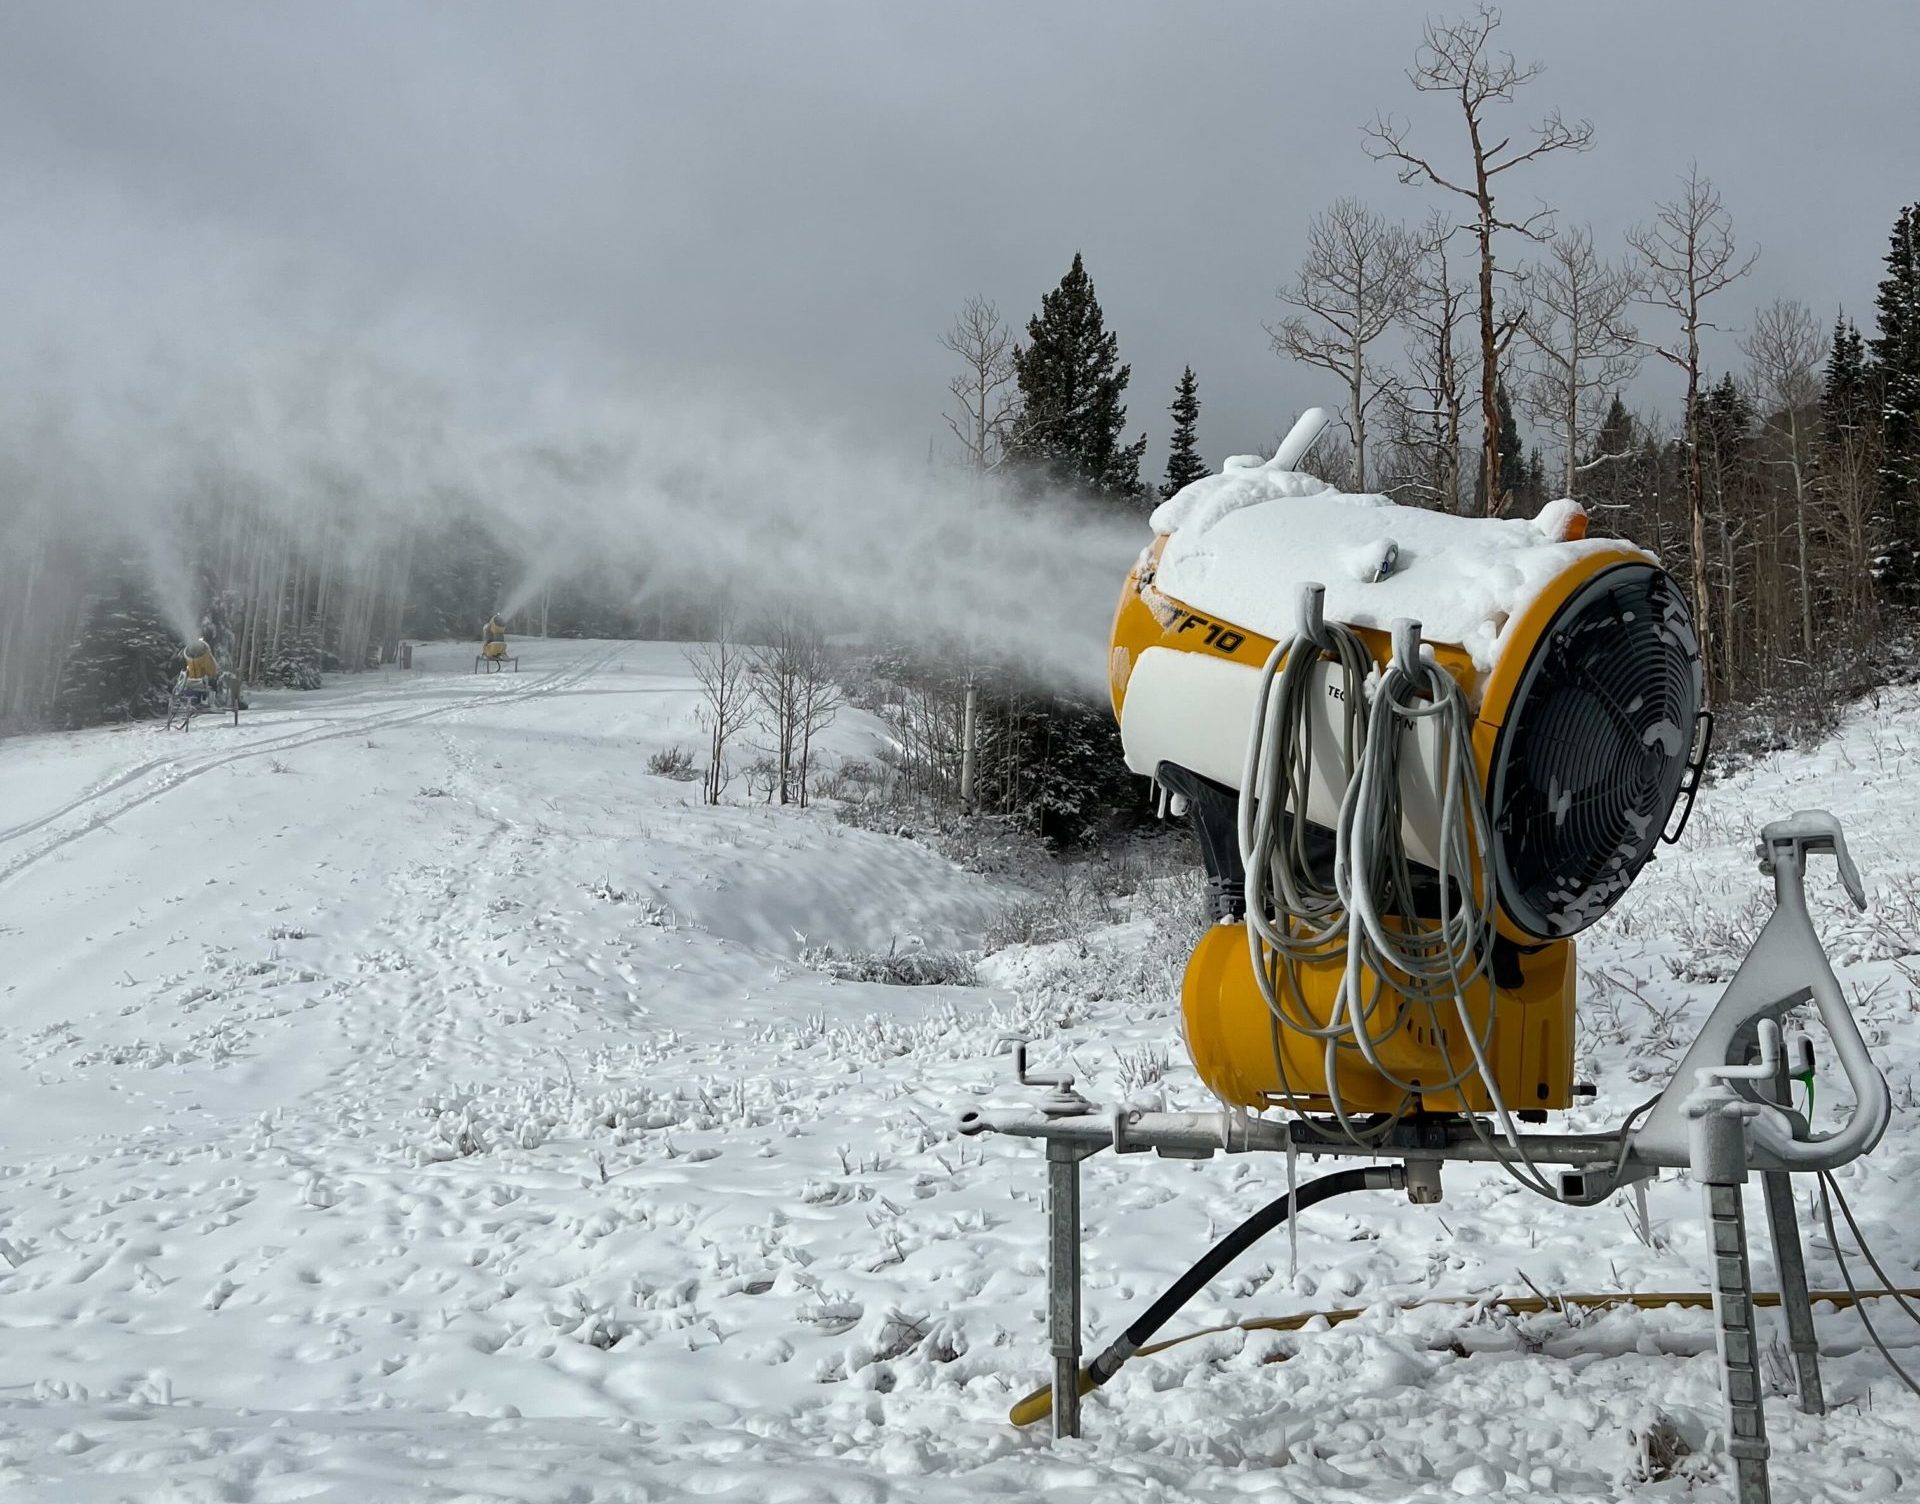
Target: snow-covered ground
407, 1096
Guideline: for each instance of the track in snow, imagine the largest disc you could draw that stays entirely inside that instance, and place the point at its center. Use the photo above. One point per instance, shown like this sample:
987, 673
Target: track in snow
98, 807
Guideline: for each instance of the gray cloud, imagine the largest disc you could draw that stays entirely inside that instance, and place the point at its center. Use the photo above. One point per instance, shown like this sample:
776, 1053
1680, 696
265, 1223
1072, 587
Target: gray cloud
786, 203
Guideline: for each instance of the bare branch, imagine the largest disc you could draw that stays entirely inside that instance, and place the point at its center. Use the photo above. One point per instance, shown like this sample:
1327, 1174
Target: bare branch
1457, 59
1580, 343
1688, 253
983, 391
1351, 287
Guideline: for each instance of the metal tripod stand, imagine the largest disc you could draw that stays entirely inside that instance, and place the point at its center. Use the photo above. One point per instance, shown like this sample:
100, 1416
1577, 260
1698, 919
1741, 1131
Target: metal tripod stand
1723, 1117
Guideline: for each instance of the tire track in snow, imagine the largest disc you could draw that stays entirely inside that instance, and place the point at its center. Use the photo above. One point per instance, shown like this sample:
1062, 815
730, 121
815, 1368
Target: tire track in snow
175, 771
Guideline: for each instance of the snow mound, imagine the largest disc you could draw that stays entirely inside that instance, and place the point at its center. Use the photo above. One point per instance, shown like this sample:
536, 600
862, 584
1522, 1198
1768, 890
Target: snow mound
1243, 542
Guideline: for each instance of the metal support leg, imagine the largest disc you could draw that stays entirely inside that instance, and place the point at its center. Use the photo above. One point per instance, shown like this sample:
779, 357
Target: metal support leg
1063, 1283
1739, 1349
1783, 1229
1790, 1260
1717, 1149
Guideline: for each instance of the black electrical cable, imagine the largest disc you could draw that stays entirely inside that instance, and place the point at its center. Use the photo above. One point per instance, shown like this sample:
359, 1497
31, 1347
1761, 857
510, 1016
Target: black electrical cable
1829, 1185
1223, 1253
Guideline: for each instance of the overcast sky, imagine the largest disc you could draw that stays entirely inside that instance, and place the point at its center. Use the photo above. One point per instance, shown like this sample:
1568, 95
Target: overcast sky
793, 199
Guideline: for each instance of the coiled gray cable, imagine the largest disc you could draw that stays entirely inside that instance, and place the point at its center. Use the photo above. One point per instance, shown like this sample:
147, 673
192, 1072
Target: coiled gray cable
1366, 920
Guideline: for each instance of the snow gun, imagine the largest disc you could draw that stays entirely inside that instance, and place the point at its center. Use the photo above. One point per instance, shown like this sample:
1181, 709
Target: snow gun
1464, 737
1422, 752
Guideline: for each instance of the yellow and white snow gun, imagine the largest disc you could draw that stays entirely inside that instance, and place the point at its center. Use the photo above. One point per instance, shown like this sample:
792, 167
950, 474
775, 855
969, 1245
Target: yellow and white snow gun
1463, 738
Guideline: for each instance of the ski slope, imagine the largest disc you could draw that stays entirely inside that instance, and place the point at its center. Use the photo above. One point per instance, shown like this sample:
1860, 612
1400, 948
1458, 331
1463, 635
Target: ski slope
407, 1096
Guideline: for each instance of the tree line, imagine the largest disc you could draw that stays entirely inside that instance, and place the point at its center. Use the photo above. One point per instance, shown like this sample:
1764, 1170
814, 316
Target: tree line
94, 611
1487, 358
1783, 490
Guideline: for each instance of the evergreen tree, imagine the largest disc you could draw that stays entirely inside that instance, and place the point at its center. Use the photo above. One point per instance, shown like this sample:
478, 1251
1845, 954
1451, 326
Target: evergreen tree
1726, 422
1536, 496
1512, 457
1848, 470
1067, 434
1184, 465
1896, 367
1608, 479
1617, 434
1846, 394
122, 659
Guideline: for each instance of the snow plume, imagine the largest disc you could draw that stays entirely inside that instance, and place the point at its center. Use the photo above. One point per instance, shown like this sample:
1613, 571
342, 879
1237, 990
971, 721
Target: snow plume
132, 401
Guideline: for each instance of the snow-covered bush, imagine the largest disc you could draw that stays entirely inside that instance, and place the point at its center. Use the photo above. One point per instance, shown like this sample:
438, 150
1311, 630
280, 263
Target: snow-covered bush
674, 762
897, 968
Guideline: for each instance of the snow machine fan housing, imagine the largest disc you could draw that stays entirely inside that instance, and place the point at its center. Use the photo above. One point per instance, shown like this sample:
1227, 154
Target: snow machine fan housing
1595, 749
1577, 659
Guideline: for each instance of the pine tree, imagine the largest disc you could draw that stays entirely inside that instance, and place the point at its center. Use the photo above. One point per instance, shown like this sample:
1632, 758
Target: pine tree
1067, 434
1896, 367
1726, 425
1848, 469
1512, 457
1536, 481
1845, 391
119, 664
1606, 475
1184, 465
1616, 436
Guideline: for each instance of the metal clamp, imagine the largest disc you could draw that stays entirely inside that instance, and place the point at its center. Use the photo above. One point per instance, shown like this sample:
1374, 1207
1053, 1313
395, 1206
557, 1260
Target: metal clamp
1808, 831
1061, 1100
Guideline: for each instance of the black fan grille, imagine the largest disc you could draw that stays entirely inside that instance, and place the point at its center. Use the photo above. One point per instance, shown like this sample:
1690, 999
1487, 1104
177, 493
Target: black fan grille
1589, 764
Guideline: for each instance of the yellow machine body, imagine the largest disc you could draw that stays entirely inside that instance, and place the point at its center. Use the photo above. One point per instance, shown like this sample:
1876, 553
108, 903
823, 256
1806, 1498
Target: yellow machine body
1237, 1046
1246, 1059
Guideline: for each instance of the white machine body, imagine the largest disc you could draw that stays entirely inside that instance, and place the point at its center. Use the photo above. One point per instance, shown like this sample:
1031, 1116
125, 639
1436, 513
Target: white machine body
1198, 711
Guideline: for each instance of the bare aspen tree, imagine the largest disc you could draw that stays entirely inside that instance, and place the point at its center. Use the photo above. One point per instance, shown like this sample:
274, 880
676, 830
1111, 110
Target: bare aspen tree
1580, 345
1689, 255
983, 392
987, 400
969, 743
1348, 292
1457, 60
773, 680
1430, 396
1783, 350
790, 676
720, 667
817, 700
1331, 457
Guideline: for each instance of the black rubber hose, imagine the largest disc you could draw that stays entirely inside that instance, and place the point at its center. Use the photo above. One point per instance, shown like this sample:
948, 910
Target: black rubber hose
1223, 1253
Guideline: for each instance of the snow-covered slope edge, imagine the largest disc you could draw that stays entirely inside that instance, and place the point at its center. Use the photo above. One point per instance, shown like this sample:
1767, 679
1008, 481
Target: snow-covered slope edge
438, 1110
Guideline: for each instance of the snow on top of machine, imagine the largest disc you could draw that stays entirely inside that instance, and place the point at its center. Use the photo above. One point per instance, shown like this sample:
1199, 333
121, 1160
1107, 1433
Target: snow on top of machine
1244, 541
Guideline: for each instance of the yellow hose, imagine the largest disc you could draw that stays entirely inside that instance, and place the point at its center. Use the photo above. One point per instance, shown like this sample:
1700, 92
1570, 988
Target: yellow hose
1039, 1404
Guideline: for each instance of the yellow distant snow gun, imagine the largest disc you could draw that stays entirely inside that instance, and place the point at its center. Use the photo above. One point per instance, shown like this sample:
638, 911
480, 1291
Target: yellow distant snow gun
1464, 737
493, 656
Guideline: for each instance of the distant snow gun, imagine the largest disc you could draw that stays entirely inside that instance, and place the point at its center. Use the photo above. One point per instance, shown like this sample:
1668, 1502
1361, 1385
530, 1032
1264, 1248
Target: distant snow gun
200, 687
493, 656
1423, 752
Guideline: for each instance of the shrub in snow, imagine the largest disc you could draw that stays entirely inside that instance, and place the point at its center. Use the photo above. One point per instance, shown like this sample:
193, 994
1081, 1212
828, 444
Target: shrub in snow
896, 968
673, 762
853, 781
